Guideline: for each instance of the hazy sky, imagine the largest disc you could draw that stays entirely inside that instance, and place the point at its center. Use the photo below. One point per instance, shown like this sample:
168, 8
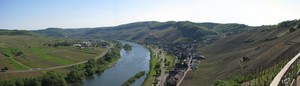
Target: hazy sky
40, 14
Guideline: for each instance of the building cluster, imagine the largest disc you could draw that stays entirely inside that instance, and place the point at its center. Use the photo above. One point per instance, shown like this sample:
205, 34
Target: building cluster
187, 56
92, 43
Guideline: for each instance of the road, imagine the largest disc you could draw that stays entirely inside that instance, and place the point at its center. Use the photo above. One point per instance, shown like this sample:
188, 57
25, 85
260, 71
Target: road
185, 72
62, 66
162, 68
21, 63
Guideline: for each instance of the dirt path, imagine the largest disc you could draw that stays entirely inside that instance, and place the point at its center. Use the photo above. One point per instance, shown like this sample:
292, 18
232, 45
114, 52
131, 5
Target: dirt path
187, 70
20, 63
57, 67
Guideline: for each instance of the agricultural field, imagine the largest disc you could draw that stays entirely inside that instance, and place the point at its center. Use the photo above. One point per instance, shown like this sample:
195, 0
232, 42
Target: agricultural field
25, 52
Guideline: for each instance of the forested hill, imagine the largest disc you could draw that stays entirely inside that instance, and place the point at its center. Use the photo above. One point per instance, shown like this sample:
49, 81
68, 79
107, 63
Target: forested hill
15, 32
170, 31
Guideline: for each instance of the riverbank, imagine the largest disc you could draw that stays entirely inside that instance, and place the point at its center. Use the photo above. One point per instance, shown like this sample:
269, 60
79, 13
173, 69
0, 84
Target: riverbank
153, 60
130, 63
95, 66
160, 64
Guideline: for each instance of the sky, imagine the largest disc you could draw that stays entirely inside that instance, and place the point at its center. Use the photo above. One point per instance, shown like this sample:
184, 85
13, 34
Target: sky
41, 14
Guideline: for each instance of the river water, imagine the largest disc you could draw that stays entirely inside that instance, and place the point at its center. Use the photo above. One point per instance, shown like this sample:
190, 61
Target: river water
130, 63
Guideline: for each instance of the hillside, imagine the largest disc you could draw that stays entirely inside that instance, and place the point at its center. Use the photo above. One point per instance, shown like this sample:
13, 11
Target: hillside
263, 47
15, 32
23, 51
230, 49
170, 31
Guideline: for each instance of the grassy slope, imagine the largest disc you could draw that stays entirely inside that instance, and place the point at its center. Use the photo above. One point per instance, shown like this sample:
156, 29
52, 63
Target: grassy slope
35, 55
143, 31
223, 55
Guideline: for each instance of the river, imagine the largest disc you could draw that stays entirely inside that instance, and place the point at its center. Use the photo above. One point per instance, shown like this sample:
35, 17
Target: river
130, 63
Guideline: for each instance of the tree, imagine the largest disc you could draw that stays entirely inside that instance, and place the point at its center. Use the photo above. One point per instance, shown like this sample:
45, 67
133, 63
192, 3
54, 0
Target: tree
19, 82
16, 52
89, 71
53, 79
127, 47
221, 83
4, 69
74, 76
32, 82
9, 83
91, 63
292, 29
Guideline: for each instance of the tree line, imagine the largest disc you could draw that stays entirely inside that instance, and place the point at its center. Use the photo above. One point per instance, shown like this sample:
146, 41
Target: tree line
131, 80
50, 78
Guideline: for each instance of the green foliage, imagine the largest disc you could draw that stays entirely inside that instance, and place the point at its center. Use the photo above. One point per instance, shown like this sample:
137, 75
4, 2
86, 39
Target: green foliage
56, 32
4, 68
90, 67
16, 52
221, 83
287, 24
65, 43
131, 80
157, 68
6, 52
89, 72
95, 65
49, 79
53, 79
14, 32
225, 83
193, 30
163, 25
292, 30
239, 79
32, 82
74, 76
19, 82
234, 28
127, 47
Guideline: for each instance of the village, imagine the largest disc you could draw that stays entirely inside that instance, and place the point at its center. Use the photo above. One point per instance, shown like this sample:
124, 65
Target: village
81, 44
188, 58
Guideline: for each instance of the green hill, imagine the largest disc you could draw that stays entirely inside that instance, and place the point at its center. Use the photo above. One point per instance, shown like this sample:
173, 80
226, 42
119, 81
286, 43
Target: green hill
263, 46
170, 31
15, 32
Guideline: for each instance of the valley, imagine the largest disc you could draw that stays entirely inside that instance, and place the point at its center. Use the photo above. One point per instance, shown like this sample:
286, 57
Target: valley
149, 43
181, 53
